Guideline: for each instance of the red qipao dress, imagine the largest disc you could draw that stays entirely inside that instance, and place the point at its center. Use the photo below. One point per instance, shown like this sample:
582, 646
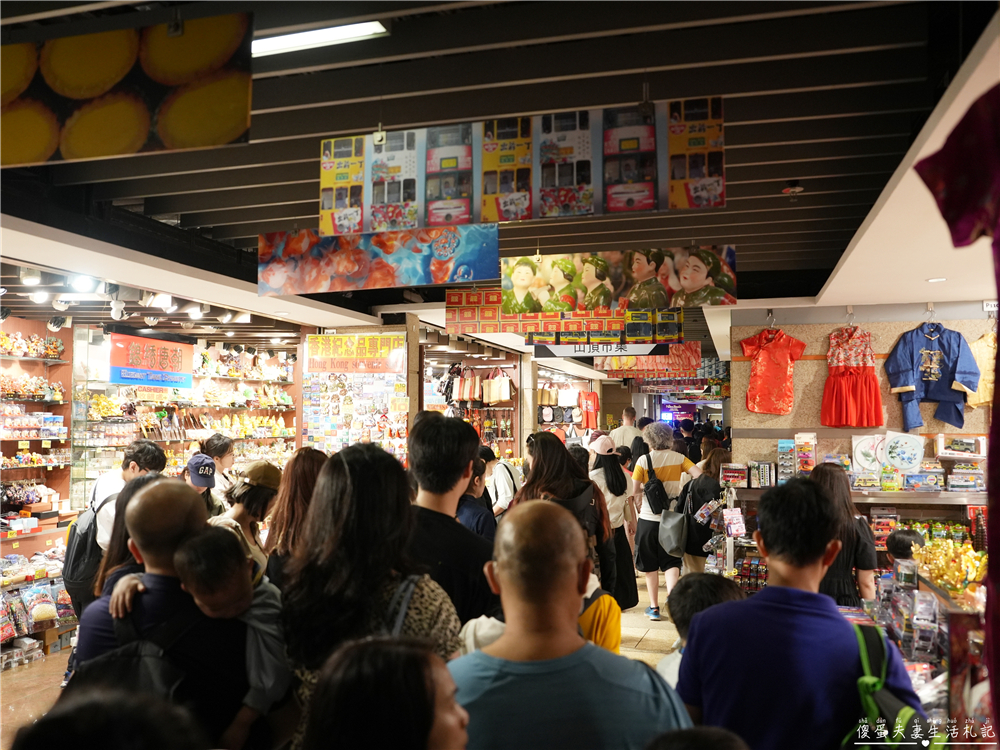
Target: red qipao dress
772, 355
851, 397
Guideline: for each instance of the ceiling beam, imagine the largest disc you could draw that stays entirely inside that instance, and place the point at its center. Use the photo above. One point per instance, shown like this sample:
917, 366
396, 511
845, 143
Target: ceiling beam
306, 209
241, 198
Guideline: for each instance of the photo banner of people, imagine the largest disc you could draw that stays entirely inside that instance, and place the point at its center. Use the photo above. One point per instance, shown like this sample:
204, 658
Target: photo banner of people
635, 280
304, 263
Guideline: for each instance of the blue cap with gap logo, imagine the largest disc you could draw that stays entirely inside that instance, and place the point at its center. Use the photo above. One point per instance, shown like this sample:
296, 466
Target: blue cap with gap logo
201, 470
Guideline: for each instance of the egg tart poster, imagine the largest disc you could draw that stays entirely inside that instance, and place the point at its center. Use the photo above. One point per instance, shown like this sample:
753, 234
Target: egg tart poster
303, 262
127, 91
637, 280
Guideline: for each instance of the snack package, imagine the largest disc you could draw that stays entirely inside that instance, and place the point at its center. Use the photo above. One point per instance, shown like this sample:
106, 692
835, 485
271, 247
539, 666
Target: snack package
6, 626
18, 614
38, 602
64, 606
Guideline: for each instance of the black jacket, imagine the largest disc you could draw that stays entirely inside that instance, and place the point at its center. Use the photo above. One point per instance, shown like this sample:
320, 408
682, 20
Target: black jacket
696, 493
600, 549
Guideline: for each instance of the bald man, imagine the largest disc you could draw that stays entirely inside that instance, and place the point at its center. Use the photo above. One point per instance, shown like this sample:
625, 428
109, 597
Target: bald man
541, 684
211, 653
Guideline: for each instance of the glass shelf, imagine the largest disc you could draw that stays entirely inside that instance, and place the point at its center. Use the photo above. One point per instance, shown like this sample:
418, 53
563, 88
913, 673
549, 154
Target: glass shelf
12, 358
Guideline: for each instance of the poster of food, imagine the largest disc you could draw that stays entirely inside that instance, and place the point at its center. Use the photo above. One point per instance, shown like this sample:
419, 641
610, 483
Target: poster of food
161, 88
697, 150
614, 280
303, 262
341, 185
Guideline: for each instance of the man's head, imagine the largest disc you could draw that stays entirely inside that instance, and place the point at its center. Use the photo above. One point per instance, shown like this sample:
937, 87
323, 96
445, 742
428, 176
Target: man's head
643, 422
441, 451
160, 518
687, 427
214, 569
477, 482
696, 592
798, 525
628, 416
142, 456
899, 544
489, 458
539, 559
700, 269
645, 263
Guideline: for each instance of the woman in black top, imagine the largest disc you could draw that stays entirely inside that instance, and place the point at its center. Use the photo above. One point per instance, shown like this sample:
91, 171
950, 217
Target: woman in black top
851, 577
696, 493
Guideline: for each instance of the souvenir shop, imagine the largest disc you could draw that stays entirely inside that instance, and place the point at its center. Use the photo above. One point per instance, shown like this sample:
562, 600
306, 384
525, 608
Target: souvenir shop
569, 406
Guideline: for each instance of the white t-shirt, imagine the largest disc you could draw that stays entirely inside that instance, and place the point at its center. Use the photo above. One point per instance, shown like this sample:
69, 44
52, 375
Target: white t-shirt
616, 503
504, 484
107, 484
669, 467
624, 435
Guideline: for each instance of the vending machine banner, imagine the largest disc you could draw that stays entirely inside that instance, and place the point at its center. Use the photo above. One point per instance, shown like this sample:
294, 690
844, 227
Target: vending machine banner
342, 185
697, 151
140, 361
359, 353
305, 263
127, 91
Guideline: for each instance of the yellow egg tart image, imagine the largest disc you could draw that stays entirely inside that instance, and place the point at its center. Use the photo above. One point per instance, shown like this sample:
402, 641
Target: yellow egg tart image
115, 124
82, 67
29, 133
209, 112
204, 47
18, 63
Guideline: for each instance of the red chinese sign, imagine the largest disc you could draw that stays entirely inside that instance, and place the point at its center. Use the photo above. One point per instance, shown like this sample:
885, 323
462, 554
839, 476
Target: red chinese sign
140, 361
360, 353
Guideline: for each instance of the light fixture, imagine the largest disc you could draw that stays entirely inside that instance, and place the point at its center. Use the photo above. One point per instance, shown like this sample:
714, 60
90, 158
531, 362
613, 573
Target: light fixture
56, 323
151, 321
39, 298
145, 330
936, 281
117, 310
170, 310
4, 313
30, 276
60, 304
146, 299
270, 353
193, 311
276, 341
282, 313
238, 349
225, 317
242, 318
163, 301
84, 284
250, 350
187, 325
352, 32
229, 333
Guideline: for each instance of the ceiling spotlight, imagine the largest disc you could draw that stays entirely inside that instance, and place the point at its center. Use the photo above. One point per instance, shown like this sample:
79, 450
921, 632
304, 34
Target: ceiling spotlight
936, 281
146, 299
30, 276
251, 350
242, 318
225, 317
60, 305
4, 313
293, 358
187, 325
162, 301
39, 298
270, 353
276, 341
226, 346
229, 333
151, 321
3, 291
193, 311
117, 310
56, 323
84, 284
238, 349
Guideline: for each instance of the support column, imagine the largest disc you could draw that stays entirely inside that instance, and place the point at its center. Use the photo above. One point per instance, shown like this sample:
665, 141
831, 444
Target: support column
529, 399
414, 375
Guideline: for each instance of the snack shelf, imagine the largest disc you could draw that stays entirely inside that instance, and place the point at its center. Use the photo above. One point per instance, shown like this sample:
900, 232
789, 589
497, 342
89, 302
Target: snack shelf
245, 380
12, 358
894, 498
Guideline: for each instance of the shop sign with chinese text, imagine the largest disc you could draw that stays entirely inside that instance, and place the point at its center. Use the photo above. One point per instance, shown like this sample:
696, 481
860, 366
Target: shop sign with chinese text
151, 362
356, 353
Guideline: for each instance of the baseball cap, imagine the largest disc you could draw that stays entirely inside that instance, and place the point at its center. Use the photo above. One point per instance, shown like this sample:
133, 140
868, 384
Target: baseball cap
263, 474
603, 446
201, 469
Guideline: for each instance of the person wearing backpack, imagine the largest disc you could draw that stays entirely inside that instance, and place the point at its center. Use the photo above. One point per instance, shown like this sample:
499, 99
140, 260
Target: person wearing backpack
657, 480
90, 536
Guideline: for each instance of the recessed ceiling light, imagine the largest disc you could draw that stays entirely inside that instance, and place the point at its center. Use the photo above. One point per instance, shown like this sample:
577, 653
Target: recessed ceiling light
282, 313
935, 281
229, 333
162, 301
30, 276
84, 284
351, 32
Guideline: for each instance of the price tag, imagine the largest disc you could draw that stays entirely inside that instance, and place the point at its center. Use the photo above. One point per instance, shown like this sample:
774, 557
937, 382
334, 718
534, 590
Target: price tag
22, 445
48, 468
400, 388
48, 542
16, 545
46, 443
11, 534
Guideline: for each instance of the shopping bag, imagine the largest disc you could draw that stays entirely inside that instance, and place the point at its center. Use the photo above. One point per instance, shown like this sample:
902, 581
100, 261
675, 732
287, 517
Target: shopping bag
503, 386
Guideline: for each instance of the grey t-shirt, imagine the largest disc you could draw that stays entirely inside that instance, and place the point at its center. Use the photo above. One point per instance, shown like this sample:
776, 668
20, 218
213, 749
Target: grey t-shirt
589, 699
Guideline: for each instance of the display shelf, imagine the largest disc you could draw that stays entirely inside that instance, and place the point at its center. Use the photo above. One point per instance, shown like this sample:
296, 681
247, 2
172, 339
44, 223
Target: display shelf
34, 401
33, 440
244, 380
5, 536
12, 358
893, 498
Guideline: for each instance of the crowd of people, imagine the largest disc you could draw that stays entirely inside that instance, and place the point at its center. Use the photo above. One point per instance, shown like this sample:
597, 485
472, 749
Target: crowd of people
455, 605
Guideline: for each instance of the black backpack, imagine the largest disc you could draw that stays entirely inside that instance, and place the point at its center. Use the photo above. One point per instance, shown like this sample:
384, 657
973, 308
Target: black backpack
83, 557
139, 664
656, 493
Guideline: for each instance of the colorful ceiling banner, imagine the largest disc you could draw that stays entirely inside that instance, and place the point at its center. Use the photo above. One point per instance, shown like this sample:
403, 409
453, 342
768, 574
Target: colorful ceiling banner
136, 360
359, 353
630, 174
565, 163
394, 171
506, 164
683, 361
643, 279
304, 263
697, 151
341, 185
127, 91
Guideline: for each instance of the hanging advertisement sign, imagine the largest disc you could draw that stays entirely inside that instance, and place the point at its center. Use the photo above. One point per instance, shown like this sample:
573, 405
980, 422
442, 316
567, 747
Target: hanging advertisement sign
356, 353
127, 91
682, 361
152, 362
305, 263
696, 146
341, 185
629, 160
506, 166
449, 173
393, 171
601, 349
565, 157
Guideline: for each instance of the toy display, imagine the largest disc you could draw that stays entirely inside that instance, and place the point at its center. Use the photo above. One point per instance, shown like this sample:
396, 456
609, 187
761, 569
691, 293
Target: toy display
33, 347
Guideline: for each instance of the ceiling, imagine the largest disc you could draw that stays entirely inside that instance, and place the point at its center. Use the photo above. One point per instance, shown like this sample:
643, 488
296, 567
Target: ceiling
829, 94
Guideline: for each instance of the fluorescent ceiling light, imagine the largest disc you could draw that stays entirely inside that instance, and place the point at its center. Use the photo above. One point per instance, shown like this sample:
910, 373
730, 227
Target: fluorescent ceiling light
353, 32
193, 311
275, 341
84, 284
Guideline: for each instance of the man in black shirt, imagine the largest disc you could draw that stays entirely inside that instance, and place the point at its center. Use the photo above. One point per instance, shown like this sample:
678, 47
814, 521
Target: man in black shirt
441, 451
212, 653
693, 442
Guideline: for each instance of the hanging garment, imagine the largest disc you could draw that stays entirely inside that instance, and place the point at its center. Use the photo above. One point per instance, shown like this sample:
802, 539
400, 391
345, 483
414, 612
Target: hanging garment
590, 405
932, 363
984, 351
851, 396
772, 355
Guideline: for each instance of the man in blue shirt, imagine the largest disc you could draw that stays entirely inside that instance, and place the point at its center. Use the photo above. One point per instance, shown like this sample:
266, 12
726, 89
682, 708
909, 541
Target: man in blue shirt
805, 655
541, 685
475, 513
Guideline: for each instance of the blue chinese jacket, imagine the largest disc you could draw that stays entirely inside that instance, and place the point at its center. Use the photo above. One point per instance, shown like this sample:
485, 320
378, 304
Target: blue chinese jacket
932, 363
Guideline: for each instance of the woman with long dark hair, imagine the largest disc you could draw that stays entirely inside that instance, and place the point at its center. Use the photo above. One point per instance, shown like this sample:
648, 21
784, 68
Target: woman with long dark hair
609, 477
694, 495
557, 477
118, 560
342, 577
851, 577
638, 449
289, 514
222, 450
404, 681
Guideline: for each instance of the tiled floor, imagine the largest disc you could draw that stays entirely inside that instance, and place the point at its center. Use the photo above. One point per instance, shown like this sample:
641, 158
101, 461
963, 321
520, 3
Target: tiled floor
28, 692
